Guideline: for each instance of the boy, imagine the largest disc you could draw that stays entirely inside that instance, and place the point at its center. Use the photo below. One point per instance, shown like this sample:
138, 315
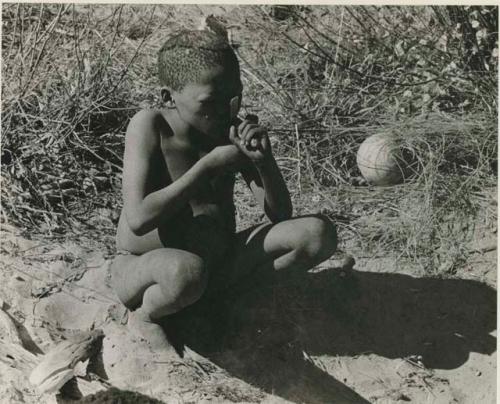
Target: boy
177, 227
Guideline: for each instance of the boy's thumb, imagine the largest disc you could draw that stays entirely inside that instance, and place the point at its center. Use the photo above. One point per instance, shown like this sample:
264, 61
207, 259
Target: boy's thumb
232, 134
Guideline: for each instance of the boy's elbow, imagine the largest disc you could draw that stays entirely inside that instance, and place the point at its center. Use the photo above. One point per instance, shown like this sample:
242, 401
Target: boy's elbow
286, 215
139, 230
287, 211
137, 225
280, 218
282, 215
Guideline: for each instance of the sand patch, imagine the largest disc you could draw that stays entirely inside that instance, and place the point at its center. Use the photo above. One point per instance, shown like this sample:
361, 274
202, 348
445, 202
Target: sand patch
376, 334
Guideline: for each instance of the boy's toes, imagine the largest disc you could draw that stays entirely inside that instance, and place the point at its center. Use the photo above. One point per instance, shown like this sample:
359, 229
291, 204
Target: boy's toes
348, 262
345, 263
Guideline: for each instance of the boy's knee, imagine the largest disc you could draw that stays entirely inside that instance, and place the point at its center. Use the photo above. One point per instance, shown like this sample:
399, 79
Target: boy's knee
189, 280
319, 238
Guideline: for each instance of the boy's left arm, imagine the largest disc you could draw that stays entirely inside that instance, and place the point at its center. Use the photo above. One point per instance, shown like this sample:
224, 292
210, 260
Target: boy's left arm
263, 176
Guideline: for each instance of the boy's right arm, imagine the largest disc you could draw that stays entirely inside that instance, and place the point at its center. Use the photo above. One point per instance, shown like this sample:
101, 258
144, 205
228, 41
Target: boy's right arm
144, 210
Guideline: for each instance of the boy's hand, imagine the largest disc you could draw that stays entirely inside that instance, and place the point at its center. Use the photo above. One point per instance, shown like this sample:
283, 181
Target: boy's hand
226, 158
252, 140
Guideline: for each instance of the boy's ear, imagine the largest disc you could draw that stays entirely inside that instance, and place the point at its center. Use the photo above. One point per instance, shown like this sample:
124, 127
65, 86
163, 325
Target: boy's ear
166, 97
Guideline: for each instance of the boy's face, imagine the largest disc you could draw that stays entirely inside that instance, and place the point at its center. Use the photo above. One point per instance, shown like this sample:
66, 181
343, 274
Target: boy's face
205, 105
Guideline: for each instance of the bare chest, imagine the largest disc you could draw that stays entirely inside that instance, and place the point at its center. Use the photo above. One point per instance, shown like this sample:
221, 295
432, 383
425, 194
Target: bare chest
179, 159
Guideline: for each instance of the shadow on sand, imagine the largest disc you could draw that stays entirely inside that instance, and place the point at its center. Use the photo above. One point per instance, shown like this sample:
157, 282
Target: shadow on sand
260, 336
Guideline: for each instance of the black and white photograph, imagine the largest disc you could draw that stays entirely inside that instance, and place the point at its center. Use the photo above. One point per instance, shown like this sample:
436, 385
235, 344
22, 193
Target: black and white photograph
248, 203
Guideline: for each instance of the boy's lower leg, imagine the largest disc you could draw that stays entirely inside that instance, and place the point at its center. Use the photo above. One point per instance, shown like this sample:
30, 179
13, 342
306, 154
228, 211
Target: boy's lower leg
157, 284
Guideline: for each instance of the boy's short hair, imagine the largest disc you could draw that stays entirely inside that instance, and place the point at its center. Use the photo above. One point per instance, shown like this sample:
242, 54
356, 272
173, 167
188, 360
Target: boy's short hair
184, 56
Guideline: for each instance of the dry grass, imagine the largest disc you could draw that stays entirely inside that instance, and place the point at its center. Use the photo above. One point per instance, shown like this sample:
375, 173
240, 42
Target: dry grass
434, 216
322, 78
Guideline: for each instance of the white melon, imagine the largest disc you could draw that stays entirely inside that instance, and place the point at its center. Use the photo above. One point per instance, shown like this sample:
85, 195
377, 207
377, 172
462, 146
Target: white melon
380, 160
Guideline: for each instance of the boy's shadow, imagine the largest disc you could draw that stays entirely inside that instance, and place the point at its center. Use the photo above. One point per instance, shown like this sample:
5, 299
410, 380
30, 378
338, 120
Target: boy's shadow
261, 336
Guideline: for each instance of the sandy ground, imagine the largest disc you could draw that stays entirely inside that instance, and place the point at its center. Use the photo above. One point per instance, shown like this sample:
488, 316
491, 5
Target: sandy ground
379, 334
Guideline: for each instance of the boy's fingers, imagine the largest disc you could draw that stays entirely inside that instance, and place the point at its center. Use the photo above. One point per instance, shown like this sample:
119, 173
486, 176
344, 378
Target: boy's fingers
241, 128
244, 126
250, 131
232, 134
254, 133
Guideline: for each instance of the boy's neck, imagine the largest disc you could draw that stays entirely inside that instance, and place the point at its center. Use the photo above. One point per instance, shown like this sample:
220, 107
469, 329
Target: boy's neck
183, 132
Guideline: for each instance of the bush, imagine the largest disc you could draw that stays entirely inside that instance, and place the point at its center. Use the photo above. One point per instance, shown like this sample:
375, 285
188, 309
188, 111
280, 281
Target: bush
65, 103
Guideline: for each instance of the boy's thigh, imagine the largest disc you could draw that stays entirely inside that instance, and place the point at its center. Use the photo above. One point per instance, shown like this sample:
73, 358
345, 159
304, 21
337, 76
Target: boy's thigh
132, 274
259, 245
269, 240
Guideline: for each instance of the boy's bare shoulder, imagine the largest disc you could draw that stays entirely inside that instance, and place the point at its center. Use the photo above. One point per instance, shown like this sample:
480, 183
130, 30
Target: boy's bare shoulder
147, 122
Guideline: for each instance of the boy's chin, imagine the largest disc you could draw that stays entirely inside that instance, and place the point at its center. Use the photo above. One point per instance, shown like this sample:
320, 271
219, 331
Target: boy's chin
218, 135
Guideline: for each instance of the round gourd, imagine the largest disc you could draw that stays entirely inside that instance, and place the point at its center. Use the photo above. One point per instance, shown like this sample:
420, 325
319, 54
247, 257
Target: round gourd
380, 160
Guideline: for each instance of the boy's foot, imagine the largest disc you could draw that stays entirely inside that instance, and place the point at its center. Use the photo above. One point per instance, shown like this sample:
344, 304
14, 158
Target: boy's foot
344, 263
142, 326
